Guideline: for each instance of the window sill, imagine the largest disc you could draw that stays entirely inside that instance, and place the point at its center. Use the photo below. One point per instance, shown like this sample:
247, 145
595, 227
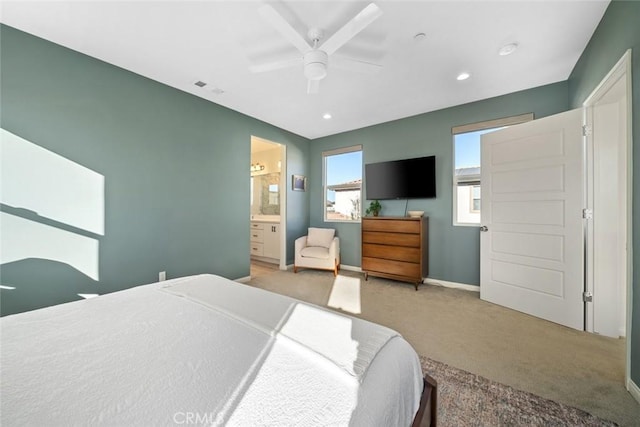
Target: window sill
466, 224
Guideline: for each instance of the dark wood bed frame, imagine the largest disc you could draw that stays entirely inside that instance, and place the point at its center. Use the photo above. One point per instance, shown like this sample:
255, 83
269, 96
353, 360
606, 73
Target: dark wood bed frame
427, 415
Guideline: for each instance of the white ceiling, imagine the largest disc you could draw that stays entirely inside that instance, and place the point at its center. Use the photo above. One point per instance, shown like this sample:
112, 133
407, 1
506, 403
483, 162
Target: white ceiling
180, 42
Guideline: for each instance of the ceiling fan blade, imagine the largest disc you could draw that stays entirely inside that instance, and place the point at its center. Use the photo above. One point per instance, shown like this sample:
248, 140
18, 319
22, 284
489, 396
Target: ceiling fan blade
351, 28
276, 20
313, 86
276, 65
355, 65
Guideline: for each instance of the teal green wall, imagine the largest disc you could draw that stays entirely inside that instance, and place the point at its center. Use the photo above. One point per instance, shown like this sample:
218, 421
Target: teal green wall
454, 251
176, 176
618, 31
176, 171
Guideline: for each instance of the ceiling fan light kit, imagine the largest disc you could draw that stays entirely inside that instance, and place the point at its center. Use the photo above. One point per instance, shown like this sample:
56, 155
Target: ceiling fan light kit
315, 56
315, 64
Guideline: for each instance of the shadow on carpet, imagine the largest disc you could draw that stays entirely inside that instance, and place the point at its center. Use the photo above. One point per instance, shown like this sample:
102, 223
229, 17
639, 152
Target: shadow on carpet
466, 399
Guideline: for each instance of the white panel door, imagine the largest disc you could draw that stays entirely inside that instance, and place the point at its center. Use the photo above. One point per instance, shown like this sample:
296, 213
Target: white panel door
531, 254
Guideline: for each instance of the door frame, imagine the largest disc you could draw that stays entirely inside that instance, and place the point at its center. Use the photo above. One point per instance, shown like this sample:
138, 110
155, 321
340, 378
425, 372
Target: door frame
282, 265
622, 70
283, 208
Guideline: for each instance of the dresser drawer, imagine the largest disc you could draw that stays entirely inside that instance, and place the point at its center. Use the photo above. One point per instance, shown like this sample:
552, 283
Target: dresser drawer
257, 226
398, 253
391, 225
399, 268
393, 239
257, 235
256, 248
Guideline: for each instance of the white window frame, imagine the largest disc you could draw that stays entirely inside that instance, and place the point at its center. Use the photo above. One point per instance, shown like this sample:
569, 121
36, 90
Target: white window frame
471, 199
330, 153
474, 127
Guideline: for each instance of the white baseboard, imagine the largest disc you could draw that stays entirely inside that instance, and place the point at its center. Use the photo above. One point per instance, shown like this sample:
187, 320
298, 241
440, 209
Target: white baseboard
633, 389
243, 279
455, 285
429, 281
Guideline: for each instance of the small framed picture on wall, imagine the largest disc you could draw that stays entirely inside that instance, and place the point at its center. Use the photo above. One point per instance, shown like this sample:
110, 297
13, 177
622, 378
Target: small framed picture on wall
298, 183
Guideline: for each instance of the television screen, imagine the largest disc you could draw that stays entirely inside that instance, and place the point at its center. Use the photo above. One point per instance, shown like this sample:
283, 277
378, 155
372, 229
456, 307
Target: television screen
401, 179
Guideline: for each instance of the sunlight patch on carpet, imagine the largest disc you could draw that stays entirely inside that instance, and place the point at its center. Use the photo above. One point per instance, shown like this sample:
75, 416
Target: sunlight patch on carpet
345, 294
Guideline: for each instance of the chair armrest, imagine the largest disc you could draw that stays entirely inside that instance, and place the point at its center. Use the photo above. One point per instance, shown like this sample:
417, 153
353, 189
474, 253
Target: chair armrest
334, 249
300, 243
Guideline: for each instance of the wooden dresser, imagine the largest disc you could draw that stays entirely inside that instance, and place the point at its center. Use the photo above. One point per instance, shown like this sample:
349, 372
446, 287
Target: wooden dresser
396, 248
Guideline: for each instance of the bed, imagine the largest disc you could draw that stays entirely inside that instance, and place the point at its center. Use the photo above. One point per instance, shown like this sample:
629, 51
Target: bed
204, 350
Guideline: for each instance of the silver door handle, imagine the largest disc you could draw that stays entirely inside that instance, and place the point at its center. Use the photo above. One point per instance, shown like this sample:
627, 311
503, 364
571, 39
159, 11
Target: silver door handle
484, 228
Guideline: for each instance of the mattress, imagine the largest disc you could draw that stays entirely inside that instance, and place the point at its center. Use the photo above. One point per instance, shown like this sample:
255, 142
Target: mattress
203, 350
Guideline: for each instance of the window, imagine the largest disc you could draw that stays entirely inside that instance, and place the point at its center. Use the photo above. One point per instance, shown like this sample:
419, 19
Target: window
466, 168
475, 199
342, 184
274, 195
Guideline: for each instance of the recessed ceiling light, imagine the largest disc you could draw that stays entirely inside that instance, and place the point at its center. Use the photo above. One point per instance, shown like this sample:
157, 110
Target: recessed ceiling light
463, 76
200, 83
326, 116
508, 49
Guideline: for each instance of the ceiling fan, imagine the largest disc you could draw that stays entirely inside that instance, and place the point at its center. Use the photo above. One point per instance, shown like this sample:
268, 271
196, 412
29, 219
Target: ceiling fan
315, 55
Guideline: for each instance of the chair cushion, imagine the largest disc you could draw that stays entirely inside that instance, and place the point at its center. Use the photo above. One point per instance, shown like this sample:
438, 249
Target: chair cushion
320, 237
315, 252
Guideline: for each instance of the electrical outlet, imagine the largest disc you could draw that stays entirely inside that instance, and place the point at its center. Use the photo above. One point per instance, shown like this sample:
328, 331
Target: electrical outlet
162, 276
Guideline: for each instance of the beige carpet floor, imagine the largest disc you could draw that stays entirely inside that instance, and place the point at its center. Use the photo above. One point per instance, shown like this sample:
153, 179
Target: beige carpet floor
457, 328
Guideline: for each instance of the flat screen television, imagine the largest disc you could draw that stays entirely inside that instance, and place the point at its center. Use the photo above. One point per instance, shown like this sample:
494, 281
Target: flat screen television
401, 179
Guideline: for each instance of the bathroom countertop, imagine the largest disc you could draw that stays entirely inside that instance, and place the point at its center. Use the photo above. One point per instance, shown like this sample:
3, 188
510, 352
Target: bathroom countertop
265, 218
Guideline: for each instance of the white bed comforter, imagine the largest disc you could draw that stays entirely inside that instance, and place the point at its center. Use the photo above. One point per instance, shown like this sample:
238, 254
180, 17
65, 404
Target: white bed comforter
203, 350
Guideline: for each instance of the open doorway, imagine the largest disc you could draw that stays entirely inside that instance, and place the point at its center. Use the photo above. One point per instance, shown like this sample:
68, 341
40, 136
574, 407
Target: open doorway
268, 193
608, 193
